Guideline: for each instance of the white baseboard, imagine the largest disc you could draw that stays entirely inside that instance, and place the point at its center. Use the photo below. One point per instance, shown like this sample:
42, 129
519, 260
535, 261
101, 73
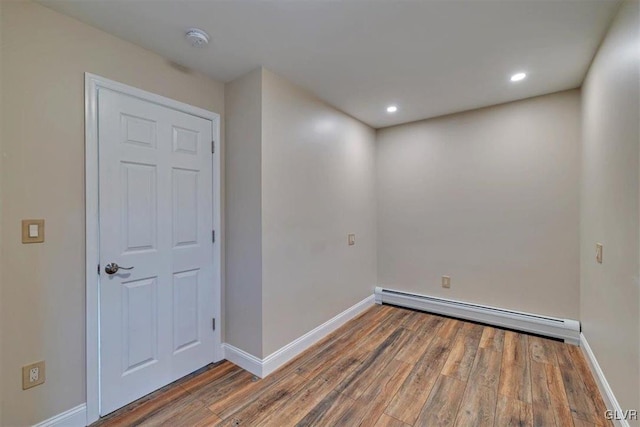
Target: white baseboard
609, 398
565, 329
264, 367
74, 417
239, 357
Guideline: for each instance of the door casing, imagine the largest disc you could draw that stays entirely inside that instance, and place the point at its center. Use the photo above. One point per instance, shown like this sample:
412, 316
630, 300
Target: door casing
93, 84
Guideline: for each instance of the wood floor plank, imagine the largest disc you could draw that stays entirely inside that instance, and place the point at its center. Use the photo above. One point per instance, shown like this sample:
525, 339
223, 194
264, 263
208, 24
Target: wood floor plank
415, 319
310, 395
460, 360
581, 405
293, 410
478, 406
563, 416
365, 374
577, 422
237, 398
515, 348
589, 381
220, 387
414, 348
376, 398
430, 325
408, 402
449, 328
379, 328
515, 377
472, 333
328, 411
201, 417
387, 421
581, 390
492, 339
541, 350
443, 403
174, 412
555, 386
548, 396
543, 416
145, 407
193, 382
259, 407
540, 394
512, 412
486, 368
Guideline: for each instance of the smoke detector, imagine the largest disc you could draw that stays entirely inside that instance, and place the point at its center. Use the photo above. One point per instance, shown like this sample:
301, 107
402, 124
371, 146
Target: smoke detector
197, 37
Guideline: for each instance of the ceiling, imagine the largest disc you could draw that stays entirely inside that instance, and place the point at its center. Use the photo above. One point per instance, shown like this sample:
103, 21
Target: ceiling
428, 57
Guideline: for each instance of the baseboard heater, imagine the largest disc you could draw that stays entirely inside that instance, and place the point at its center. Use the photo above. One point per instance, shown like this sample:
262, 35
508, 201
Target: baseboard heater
565, 329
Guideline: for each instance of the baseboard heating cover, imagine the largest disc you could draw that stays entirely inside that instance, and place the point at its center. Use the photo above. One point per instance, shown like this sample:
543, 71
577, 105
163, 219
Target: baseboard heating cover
565, 329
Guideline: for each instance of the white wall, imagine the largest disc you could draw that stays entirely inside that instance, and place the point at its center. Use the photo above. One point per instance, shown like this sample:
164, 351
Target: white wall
44, 57
243, 297
609, 294
318, 185
488, 197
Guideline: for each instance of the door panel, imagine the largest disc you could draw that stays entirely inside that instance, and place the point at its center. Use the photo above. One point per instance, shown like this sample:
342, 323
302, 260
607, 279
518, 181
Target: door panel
156, 215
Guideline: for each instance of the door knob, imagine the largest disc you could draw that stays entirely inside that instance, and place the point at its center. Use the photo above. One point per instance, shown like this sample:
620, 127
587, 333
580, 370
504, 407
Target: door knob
112, 268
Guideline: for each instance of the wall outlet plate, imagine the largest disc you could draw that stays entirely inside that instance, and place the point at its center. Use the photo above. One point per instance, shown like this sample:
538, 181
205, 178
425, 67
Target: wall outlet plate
31, 225
446, 282
33, 375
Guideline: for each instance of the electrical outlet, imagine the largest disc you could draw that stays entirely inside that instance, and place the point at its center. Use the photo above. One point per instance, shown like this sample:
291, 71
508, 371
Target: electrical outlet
446, 282
351, 238
599, 253
33, 375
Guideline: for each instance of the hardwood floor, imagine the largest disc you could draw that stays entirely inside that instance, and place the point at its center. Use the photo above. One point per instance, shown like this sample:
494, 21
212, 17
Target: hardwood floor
391, 367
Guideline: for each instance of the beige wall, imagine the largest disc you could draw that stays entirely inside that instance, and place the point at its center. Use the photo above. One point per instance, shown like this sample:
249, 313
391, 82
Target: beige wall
609, 294
1, 202
44, 55
318, 185
300, 177
488, 197
243, 299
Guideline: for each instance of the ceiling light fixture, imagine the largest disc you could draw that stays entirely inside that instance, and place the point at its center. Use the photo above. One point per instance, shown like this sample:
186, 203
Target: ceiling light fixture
392, 109
197, 37
518, 76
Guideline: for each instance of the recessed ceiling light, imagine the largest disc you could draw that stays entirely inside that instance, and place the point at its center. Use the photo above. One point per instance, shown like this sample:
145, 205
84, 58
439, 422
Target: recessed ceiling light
392, 109
518, 76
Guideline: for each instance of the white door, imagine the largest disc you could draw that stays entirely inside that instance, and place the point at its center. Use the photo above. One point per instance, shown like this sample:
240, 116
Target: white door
156, 218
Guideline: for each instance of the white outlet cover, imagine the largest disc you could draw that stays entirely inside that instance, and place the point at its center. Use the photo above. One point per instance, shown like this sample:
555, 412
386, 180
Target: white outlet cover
34, 373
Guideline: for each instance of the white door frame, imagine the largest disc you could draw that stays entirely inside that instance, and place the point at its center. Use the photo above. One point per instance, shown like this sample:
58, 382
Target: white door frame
92, 84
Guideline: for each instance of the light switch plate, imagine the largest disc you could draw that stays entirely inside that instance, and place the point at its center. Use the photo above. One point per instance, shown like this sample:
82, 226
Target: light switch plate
351, 239
29, 226
599, 253
33, 375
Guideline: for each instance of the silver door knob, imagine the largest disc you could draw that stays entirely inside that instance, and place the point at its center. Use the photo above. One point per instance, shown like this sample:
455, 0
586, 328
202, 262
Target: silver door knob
112, 268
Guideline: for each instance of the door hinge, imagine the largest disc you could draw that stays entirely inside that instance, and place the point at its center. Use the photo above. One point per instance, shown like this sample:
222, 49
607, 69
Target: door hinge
98, 268
213, 146
213, 236
213, 323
